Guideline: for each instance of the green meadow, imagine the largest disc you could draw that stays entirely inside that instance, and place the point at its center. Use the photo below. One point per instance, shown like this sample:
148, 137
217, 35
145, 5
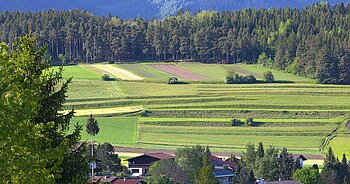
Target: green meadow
293, 112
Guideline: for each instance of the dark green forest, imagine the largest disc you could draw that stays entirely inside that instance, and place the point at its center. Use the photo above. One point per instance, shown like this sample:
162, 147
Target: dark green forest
312, 42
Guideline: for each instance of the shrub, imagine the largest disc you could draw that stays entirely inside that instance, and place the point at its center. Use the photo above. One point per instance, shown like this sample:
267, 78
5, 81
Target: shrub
268, 77
233, 78
236, 122
249, 79
172, 80
249, 121
106, 77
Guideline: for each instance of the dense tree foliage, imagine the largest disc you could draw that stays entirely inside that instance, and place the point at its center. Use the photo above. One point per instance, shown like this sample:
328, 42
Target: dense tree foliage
35, 146
312, 42
169, 168
151, 8
307, 175
191, 160
206, 171
335, 171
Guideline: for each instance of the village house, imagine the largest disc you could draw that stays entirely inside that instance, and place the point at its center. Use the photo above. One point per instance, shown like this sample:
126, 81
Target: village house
139, 166
224, 170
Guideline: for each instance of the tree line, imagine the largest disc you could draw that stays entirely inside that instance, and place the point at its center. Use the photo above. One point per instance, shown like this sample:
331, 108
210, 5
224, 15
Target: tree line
311, 42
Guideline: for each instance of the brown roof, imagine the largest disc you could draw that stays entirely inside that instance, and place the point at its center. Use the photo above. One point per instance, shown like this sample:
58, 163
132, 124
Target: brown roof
129, 181
161, 155
224, 162
104, 179
283, 182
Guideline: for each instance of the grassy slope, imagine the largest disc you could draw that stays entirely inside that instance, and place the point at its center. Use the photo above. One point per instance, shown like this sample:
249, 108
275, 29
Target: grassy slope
145, 71
79, 72
293, 105
112, 129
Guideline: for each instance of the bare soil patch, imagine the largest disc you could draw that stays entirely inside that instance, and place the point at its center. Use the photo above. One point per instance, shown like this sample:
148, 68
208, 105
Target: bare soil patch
179, 72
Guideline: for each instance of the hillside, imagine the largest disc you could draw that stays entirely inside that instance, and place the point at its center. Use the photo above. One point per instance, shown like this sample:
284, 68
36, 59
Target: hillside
150, 8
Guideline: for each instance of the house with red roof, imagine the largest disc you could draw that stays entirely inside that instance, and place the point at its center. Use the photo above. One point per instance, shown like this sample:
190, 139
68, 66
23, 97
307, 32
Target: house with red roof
139, 166
224, 170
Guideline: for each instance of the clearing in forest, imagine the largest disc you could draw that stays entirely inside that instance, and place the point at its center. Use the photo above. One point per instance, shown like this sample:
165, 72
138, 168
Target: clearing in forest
179, 72
117, 72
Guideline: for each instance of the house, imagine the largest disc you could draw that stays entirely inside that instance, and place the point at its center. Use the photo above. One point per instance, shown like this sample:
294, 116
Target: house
224, 176
129, 181
224, 170
139, 166
104, 179
299, 158
220, 163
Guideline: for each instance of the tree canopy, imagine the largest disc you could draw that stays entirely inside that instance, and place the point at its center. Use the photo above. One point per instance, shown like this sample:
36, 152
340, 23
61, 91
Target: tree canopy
285, 39
35, 145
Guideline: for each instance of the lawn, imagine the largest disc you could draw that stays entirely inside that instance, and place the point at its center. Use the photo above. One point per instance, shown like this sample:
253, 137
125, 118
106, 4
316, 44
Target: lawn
115, 130
78, 72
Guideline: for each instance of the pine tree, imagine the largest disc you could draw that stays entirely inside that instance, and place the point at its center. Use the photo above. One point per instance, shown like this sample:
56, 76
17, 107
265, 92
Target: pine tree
285, 165
92, 129
206, 172
260, 152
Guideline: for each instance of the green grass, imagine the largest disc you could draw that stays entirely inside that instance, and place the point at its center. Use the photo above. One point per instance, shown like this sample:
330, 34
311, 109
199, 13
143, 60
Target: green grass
88, 89
145, 71
258, 71
79, 72
117, 131
340, 145
297, 115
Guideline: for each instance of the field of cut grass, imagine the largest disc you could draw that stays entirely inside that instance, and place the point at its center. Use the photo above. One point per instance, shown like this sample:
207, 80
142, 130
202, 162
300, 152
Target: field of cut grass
114, 130
78, 72
116, 72
145, 71
297, 114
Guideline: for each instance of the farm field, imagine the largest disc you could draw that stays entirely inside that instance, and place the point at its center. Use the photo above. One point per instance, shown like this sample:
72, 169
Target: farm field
297, 113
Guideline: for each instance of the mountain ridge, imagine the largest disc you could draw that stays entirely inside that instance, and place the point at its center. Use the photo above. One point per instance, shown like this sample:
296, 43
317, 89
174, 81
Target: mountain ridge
151, 8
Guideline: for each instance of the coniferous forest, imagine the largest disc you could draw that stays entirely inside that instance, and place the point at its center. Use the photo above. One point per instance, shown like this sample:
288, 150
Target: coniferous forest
312, 42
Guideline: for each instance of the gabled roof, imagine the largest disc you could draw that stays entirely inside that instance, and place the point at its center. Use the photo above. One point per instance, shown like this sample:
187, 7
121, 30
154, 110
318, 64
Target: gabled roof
159, 156
223, 173
222, 162
104, 179
284, 182
295, 157
128, 181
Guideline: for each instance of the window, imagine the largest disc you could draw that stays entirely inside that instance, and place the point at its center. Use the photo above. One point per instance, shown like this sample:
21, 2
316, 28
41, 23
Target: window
134, 171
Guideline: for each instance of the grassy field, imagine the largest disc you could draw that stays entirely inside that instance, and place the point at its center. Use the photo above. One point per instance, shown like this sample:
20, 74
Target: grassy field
296, 113
115, 130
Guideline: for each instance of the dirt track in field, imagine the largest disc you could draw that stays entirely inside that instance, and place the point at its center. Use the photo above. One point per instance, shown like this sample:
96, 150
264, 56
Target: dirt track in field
117, 72
178, 72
